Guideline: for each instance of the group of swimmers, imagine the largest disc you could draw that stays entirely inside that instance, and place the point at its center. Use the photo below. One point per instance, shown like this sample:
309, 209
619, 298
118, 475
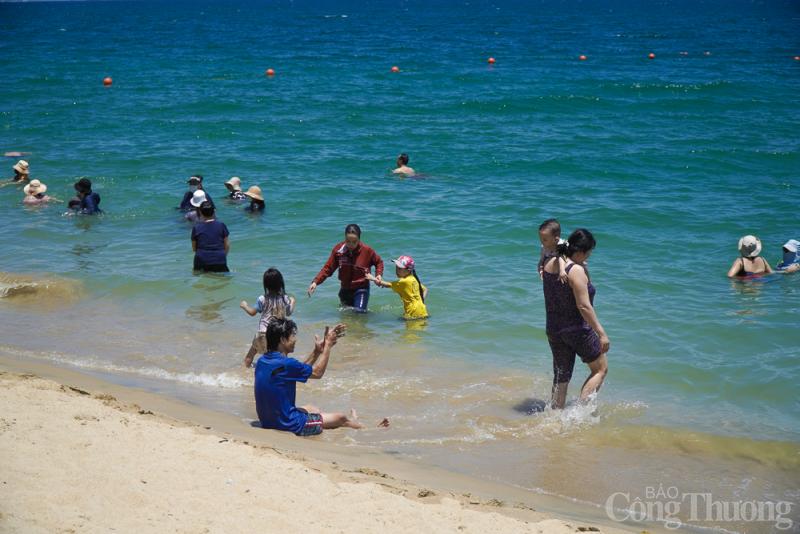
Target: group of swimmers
85, 202
572, 326
750, 263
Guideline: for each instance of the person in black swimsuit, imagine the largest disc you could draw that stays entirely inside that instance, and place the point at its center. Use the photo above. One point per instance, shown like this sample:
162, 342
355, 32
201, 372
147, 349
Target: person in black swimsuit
749, 263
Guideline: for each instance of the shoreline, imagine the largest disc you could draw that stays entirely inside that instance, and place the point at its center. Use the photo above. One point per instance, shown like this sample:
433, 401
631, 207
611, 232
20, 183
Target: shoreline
410, 480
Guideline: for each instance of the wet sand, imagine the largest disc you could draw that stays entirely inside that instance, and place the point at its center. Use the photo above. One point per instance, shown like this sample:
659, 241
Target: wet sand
82, 454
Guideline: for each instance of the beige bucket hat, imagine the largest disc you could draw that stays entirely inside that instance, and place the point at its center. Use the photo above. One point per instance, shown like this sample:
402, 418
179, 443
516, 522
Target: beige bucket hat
254, 192
234, 184
21, 167
749, 246
34, 188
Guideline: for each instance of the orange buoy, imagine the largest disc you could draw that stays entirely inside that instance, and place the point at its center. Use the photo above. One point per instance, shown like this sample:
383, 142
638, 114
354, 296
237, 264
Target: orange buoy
107, 81
491, 60
270, 72
652, 56
395, 69
796, 58
582, 58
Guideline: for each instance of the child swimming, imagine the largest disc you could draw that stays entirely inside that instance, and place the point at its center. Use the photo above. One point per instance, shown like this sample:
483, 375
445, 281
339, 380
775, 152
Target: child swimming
273, 304
408, 287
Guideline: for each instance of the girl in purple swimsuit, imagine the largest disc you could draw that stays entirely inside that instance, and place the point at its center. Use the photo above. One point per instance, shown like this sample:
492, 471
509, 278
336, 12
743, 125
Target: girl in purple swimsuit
572, 325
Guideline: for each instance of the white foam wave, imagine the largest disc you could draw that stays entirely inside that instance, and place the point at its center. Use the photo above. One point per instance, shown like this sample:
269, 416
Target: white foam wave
227, 379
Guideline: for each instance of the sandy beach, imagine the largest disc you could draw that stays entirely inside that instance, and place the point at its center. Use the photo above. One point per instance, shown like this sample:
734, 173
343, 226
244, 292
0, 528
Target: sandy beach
78, 458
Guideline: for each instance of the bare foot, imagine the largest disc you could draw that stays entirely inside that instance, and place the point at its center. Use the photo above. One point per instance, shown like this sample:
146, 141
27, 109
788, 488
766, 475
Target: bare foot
353, 414
384, 423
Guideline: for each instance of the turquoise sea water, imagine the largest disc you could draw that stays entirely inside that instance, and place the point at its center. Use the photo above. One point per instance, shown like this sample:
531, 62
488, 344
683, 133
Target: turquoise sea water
667, 161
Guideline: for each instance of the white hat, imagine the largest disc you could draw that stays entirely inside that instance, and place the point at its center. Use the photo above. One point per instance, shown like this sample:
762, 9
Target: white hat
34, 188
198, 198
749, 246
234, 184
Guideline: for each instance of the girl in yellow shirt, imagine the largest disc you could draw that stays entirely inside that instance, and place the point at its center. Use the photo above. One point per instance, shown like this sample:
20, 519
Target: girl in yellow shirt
408, 287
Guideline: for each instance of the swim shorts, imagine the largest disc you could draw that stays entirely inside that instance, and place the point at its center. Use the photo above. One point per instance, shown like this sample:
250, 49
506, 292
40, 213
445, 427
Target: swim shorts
313, 426
565, 345
260, 342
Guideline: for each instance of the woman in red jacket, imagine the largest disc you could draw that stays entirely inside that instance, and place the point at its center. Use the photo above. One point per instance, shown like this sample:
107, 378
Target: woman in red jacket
354, 260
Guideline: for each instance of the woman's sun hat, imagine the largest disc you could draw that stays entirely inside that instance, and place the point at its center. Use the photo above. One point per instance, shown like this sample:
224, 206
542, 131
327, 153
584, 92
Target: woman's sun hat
792, 245
198, 198
235, 184
84, 185
34, 188
21, 167
406, 262
749, 246
254, 192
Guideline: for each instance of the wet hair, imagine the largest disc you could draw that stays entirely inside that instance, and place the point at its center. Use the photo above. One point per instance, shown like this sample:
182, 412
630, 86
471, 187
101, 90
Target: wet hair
552, 226
74, 202
275, 289
581, 240
277, 330
207, 209
403, 159
353, 229
421, 293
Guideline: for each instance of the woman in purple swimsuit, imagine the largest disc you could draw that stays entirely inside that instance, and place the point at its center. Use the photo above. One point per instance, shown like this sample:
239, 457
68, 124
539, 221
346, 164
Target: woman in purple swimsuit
572, 325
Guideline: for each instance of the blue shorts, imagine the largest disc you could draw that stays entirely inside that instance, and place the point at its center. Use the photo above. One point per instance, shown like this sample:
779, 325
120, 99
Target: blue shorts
357, 298
313, 426
565, 345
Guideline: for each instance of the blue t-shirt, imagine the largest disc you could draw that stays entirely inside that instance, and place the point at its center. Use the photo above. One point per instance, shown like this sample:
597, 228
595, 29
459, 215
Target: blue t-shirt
275, 388
210, 242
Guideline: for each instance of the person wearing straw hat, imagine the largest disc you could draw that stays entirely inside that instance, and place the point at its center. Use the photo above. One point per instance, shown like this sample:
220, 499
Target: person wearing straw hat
35, 191
21, 171
195, 184
234, 185
749, 263
256, 200
197, 201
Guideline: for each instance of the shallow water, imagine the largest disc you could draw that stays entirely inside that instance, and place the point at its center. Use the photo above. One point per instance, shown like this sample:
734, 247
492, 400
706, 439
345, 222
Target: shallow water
668, 161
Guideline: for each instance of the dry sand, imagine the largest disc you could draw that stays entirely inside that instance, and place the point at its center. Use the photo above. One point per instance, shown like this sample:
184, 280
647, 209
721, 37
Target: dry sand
76, 460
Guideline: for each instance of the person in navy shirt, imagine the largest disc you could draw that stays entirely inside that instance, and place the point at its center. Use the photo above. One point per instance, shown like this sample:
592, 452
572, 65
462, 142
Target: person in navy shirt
195, 184
210, 242
89, 201
277, 375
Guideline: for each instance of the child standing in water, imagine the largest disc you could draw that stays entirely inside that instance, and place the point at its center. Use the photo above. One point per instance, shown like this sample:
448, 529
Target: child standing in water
273, 304
408, 287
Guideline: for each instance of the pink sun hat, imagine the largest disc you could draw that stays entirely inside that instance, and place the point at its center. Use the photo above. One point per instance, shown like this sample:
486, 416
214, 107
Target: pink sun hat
406, 262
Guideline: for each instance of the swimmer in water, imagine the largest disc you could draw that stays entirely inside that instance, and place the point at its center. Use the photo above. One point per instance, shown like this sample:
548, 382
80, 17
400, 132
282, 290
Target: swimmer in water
402, 166
749, 263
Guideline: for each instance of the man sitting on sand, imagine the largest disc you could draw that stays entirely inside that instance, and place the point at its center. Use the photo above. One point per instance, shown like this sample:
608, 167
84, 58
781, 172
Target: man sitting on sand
402, 166
277, 375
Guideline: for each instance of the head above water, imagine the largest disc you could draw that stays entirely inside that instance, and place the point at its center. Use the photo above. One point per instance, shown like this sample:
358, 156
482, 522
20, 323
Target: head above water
273, 283
581, 241
549, 233
281, 331
749, 246
83, 186
21, 167
352, 236
402, 160
207, 209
